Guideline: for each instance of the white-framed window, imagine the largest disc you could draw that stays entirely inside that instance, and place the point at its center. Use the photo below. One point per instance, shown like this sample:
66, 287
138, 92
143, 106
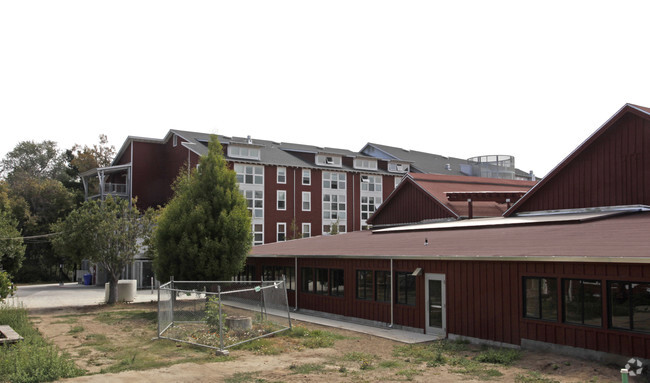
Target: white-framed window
328, 160
282, 231
282, 199
306, 230
258, 234
306, 201
249, 174
236, 151
175, 140
368, 206
365, 163
306, 177
334, 207
371, 183
335, 181
398, 180
282, 175
397, 167
255, 200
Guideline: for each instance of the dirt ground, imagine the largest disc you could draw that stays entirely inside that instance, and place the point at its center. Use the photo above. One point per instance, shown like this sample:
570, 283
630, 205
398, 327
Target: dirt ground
245, 366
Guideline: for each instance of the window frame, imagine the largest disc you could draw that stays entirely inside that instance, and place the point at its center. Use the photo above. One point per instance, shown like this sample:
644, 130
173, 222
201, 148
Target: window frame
283, 232
582, 302
281, 175
387, 286
281, 203
539, 298
410, 285
308, 178
306, 224
307, 200
368, 291
630, 310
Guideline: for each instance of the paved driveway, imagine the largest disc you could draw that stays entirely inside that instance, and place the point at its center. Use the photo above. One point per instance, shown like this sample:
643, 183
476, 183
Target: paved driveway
67, 295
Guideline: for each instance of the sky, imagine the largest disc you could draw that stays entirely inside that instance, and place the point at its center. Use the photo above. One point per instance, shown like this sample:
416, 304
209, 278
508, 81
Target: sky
455, 78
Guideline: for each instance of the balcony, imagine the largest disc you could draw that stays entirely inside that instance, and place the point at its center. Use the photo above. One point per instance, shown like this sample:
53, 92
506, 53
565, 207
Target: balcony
112, 180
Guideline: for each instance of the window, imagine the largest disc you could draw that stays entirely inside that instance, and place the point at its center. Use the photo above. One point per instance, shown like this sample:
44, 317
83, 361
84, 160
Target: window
398, 180
371, 183
255, 200
306, 230
335, 181
334, 206
398, 168
328, 160
282, 231
243, 152
258, 234
307, 279
368, 206
276, 273
322, 281
405, 289
248, 274
282, 200
306, 177
382, 286
540, 299
249, 174
175, 141
582, 302
306, 201
629, 305
364, 284
282, 175
362, 163
337, 288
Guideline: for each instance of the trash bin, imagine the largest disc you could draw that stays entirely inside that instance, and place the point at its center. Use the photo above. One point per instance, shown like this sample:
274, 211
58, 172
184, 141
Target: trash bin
88, 279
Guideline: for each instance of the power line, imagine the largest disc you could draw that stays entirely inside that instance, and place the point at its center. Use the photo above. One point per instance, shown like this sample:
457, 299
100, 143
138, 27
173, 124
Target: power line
31, 237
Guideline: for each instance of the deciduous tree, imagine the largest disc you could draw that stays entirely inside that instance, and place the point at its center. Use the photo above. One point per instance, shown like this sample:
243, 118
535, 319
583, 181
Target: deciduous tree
204, 232
107, 232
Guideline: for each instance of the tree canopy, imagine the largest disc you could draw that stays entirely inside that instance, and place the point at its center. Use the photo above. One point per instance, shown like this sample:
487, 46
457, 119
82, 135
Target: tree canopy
204, 232
107, 232
31, 159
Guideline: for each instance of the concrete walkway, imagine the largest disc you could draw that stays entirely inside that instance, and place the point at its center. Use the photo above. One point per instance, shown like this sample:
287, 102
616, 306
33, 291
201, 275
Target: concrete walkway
36, 297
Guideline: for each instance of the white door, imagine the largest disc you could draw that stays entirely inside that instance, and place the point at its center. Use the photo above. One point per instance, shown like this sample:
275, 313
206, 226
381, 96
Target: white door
436, 305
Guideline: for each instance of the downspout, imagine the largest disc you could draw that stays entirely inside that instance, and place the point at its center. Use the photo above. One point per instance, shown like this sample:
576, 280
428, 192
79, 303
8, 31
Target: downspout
392, 299
354, 202
294, 201
295, 273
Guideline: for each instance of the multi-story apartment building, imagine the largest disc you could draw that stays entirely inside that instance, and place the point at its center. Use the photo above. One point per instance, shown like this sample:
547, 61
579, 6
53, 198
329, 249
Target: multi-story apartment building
292, 190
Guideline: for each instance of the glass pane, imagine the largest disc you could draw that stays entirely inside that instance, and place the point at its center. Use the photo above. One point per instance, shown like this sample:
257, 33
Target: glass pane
619, 301
338, 288
435, 303
641, 306
572, 301
593, 303
382, 286
532, 298
321, 281
548, 296
307, 280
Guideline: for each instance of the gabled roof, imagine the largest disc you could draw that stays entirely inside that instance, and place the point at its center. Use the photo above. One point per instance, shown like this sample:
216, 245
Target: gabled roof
614, 239
607, 127
437, 186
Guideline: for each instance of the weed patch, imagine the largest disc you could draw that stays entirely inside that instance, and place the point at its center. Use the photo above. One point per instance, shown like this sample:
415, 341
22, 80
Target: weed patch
308, 368
503, 356
33, 359
534, 377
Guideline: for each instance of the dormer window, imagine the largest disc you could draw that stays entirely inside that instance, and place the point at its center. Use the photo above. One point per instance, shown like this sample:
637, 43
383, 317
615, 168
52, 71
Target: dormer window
243, 152
365, 163
396, 167
328, 160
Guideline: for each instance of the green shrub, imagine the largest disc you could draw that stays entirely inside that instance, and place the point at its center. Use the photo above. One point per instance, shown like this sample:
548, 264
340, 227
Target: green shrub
33, 359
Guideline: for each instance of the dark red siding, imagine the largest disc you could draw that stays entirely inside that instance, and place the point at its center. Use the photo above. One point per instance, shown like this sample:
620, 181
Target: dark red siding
484, 300
410, 205
612, 170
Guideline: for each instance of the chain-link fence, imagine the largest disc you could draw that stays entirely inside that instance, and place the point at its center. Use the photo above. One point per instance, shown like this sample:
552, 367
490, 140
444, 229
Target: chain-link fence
222, 314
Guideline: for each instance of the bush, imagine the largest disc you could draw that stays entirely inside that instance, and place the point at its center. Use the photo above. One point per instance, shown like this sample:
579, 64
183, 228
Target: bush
33, 359
7, 288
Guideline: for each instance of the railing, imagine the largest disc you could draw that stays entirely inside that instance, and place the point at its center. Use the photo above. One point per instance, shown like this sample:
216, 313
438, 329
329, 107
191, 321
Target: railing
111, 188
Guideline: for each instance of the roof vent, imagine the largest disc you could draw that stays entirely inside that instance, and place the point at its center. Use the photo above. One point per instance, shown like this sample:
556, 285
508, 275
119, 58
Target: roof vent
448, 167
249, 140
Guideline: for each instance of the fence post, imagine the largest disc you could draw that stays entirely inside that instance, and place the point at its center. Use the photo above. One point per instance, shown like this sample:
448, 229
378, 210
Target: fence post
158, 312
220, 319
286, 299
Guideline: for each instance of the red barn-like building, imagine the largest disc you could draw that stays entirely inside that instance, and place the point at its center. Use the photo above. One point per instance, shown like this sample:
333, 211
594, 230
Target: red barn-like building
566, 268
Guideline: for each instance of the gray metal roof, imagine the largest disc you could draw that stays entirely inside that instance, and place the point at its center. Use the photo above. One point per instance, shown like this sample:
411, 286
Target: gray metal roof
422, 162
